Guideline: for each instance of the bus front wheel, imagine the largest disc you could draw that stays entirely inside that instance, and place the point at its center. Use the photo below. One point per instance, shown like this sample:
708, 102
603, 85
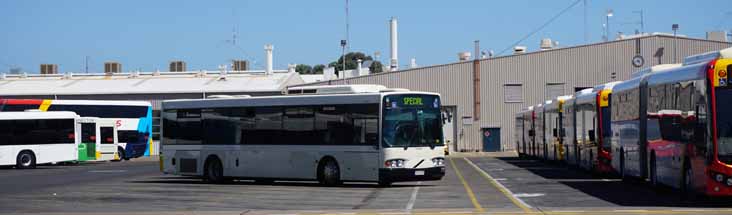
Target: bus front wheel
25, 160
121, 154
330, 174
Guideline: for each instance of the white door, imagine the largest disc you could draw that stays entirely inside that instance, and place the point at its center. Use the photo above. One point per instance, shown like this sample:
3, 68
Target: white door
448, 129
107, 143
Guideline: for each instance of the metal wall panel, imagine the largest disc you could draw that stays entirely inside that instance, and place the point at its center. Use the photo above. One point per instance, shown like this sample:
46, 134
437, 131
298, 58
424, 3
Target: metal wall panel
579, 66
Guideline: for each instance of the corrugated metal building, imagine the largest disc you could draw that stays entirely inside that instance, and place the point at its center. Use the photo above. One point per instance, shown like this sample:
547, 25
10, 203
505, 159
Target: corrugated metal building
499, 87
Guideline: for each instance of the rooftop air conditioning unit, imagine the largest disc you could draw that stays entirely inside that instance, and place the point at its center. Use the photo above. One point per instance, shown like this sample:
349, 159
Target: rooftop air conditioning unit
49, 69
177, 66
112, 67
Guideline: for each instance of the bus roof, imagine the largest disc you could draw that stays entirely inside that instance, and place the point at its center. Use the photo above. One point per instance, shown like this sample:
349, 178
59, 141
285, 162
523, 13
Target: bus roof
75, 102
284, 100
38, 115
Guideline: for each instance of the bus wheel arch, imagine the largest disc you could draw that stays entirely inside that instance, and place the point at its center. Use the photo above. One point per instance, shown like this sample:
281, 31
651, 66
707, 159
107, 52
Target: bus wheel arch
25, 159
121, 154
213, 169
328, 171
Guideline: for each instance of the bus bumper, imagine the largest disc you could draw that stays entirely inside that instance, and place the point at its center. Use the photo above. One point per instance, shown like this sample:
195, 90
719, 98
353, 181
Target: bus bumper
399, 175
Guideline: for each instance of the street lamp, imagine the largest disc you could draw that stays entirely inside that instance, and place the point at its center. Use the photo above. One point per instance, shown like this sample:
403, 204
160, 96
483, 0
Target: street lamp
607, 24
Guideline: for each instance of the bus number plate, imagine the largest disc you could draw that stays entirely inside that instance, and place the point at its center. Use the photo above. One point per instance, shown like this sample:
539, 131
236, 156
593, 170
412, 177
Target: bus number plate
419, 172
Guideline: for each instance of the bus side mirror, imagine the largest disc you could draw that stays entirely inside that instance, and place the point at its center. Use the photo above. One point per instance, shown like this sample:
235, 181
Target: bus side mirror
554, 132
591, 135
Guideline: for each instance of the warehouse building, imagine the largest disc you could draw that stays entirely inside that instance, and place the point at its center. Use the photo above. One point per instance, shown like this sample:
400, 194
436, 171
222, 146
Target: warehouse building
481, 96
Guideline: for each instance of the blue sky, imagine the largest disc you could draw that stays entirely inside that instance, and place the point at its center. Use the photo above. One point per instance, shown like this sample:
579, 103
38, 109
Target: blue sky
146, 35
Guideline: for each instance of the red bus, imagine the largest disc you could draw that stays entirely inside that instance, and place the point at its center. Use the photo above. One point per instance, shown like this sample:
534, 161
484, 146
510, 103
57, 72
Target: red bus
673, 126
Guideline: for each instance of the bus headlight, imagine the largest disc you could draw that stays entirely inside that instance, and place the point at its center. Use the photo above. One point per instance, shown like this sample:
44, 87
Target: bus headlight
395, 163
438, 161
729, 182
719, 178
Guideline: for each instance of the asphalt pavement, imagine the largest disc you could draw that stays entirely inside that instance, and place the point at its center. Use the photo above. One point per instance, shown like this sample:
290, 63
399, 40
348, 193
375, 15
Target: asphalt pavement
474, 184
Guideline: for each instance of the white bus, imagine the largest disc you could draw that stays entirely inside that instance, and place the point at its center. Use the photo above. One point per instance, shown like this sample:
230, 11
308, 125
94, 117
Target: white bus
98, 139
133, 119
31, 138
364, 133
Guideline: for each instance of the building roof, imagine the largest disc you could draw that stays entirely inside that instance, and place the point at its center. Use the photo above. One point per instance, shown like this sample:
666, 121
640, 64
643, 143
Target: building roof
147, 83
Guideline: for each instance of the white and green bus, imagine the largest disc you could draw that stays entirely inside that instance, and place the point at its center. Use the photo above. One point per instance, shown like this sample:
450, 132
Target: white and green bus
332, 134
99, 139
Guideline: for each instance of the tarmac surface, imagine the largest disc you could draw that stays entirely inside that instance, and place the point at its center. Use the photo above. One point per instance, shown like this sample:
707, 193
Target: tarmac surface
474, 184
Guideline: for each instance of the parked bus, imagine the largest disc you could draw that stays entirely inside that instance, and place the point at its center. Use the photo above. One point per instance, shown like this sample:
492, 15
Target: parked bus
680, 118
591, 127
98, 139
31, 138
539, 150
525, 131
132, 118
554, 128
327, 133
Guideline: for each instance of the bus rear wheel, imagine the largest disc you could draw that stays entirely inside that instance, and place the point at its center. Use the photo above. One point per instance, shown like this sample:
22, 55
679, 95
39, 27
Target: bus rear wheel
121, 154
330, 174
25, 160
214, 171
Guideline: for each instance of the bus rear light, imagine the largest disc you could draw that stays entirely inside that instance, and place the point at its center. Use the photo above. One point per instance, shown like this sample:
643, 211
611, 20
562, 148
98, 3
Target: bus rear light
722, 73
396, 163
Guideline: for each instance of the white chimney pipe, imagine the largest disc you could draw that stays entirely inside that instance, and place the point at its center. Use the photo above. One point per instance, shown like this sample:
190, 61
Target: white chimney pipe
413, 63
268, 50
394, 65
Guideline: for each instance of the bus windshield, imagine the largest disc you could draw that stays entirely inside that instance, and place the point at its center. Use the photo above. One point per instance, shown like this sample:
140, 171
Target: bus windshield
411, 120
724, 122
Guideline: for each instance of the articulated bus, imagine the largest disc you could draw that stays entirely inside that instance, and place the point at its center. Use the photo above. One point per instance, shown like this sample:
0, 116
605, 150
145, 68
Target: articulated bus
539, 150
98, 139
133, 119
673, 125
332, 134
588, 124
31, 138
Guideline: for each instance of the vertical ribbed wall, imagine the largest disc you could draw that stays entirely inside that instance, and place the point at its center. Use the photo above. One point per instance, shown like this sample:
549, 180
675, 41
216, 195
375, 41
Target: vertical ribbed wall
581, 66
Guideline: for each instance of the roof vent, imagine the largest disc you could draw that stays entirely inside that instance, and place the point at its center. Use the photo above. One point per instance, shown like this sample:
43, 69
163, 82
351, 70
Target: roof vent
3, 76
68, 75
546, 44
464, 56
519, 50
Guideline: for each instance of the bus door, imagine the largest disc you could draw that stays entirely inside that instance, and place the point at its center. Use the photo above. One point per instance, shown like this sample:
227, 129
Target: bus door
107, 144
87, 148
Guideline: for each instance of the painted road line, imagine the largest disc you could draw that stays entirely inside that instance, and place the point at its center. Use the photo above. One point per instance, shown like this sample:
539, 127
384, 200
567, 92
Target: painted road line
468, 190
108, 171
631, 211
499, 179
413, 199
456, 212
516, 201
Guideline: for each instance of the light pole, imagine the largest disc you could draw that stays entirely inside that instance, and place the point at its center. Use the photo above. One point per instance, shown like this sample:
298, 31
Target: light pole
642, 30
675, 27
607, 24
343, 58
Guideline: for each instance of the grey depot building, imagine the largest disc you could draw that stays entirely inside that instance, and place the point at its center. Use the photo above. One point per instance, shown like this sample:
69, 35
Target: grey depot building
482, 95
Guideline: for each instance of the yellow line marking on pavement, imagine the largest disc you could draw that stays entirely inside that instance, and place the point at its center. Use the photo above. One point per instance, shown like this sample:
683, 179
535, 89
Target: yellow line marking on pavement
467, 187
516, 201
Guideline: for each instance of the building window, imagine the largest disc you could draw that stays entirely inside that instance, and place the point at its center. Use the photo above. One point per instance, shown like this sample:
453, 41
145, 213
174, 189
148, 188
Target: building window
513, 93
553, 90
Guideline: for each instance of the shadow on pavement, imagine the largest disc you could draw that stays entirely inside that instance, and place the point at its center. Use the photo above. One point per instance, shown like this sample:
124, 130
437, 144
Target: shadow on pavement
614, 191
243, 182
